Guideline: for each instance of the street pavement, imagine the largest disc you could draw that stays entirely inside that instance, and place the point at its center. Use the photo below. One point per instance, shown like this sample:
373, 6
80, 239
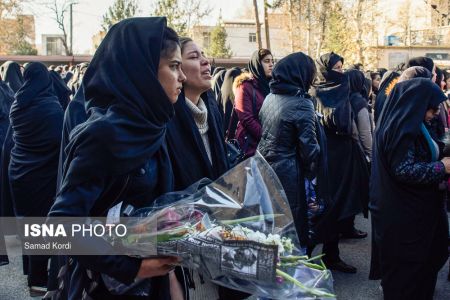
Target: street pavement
347, 286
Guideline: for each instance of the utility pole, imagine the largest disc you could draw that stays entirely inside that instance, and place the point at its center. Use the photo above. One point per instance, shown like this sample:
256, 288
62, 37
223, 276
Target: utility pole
71, 27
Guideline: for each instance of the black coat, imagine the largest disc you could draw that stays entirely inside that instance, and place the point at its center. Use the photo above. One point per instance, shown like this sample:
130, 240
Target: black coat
407, 216
289, 134
36, 120
122, 138
74, 115
347, 168
6, 99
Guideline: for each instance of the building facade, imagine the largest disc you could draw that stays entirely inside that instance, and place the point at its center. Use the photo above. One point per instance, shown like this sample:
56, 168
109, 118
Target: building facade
241, 36
52, 44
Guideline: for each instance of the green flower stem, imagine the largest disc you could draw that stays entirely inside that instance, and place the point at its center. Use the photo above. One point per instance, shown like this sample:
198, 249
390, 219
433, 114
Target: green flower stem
309, 265
314, 292
315, 257
249, 219
292, 258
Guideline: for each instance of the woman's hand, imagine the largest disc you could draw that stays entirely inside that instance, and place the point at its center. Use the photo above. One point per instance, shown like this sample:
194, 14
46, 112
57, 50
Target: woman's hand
446, 162
153, 267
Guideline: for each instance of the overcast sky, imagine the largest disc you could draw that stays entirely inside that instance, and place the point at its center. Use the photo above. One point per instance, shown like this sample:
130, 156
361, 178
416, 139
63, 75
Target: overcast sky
87, 16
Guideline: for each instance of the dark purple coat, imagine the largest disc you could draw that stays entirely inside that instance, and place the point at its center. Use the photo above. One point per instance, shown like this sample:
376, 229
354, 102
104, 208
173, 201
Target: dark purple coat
248, 132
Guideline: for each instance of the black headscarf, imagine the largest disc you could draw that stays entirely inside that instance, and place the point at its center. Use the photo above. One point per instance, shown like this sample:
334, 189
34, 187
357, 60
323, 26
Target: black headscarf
6, 99
11, 74
421, 61
332, 91
67, 77
127, 106
256, 68
36, 119
60, 89
227, 96
293, 75
188, 156
386, 80
325, 64
357, 90
382, 71
403, 115
415, 72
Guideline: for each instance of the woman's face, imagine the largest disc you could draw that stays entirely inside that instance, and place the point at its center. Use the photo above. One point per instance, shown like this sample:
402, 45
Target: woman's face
431, 113
196, 67
338, 67
376, 82
170, 75
267, 63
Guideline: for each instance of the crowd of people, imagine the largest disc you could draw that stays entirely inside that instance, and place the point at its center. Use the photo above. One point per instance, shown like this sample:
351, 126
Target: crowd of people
150, 115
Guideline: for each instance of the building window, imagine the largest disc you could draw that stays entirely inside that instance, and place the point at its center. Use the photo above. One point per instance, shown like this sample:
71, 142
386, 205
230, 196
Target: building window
54, 46
206, 39
437, 56
252, 37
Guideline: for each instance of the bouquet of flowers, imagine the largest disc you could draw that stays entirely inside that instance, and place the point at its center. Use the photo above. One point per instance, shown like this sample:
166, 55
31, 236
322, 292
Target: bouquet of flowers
237, 231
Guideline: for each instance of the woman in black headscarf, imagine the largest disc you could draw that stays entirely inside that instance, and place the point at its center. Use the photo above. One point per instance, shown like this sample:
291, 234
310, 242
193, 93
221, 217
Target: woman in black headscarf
60, 89
289, 139
332, 93
251, 90
6, 208
11, 74
407, 204
36, 122
227, 95
118, 154
12, 77
360, 108
387, 83
195, 135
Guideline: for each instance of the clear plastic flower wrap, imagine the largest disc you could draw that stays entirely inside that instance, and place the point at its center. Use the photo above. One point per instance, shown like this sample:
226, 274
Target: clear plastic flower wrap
238, 231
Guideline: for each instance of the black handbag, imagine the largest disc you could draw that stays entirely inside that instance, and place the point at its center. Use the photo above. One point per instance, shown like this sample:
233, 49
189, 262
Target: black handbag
234, 153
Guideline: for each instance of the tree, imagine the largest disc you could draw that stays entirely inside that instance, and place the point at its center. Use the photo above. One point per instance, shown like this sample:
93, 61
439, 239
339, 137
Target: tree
7, 8
182, 15
120, 10
60, 8
15, 29
338, 35
257, 24
218, 47
20, 45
